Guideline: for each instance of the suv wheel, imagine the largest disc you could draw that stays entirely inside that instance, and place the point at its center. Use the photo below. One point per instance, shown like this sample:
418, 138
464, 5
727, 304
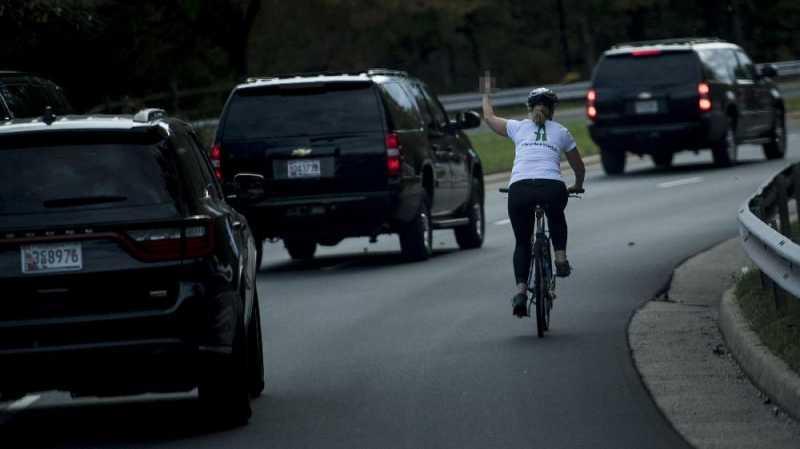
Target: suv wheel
776, 147
613, 161
416, 237
725, 151
471, 235
300, 249
256, 351
662, 159
224, 395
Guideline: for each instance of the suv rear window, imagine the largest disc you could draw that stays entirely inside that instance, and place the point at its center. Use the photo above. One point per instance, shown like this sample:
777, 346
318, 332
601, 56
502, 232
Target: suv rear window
283, 111
41, 179
668, 68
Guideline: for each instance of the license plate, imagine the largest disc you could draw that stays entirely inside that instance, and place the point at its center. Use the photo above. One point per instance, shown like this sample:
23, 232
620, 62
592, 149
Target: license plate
646, 107
47, 258
306, 168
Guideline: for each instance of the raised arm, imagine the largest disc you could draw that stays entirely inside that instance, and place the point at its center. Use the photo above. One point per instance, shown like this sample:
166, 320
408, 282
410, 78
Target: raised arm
576, 162
497, 124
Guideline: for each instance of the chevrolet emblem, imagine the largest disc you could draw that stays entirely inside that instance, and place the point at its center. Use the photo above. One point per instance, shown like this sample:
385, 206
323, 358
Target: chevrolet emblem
300, 152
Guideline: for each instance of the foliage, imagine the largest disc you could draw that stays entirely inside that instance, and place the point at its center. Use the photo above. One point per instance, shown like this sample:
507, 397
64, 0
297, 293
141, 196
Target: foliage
105, 49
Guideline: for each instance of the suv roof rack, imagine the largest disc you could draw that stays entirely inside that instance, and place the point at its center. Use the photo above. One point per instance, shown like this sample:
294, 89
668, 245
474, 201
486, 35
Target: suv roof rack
672, 41
149, 115
368, 72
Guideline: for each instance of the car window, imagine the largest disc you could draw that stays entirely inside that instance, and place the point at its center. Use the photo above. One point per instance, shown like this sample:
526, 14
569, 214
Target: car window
23, 99
424, 107
744, 70
402, 110
283, 111
206, 170
43, 178
668, 68
719, 64
439, 113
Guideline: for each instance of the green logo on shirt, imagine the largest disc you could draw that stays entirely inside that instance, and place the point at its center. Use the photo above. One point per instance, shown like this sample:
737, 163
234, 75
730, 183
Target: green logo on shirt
541, 134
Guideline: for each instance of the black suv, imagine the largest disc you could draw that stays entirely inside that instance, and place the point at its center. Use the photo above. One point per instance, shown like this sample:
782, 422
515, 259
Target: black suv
122, 268
662, 97
329, 156
23, 95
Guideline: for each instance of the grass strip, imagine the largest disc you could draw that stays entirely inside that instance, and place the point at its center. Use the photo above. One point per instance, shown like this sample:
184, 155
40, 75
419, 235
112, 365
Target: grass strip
779, 332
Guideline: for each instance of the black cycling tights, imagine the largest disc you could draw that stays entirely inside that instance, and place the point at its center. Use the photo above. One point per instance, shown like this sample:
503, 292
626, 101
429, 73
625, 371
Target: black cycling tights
523, 196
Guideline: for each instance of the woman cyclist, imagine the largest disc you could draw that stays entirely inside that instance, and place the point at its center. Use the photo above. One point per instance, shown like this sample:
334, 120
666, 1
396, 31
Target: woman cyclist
536, 179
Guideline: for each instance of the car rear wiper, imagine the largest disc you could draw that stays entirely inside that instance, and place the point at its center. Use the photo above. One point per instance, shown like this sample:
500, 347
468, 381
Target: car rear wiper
83, 201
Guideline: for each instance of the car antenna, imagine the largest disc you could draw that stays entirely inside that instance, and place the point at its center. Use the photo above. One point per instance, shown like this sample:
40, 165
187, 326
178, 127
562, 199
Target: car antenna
49, 117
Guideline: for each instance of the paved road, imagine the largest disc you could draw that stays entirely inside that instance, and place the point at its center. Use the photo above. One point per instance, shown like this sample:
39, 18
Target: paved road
365, 351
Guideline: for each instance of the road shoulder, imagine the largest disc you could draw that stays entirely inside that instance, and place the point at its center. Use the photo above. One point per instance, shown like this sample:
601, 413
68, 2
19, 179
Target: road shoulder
684, 361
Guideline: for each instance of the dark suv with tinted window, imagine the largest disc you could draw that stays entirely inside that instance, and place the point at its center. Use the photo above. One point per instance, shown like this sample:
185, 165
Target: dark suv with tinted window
323, 157
122, 268
23, 95
662, 97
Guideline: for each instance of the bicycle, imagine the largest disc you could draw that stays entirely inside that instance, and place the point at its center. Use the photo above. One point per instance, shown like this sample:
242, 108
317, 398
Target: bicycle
541, 280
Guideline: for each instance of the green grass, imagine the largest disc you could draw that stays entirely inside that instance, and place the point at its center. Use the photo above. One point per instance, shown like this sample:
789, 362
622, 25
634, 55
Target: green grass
792, 104
497, 152
779, 332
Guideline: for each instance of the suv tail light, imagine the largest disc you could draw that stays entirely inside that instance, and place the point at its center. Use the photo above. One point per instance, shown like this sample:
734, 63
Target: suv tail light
705, 99
190, 238
591, 109
649, 52
216, 160
392, 154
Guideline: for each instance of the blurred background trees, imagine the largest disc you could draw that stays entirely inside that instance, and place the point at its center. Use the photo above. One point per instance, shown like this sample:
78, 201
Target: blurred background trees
104, 50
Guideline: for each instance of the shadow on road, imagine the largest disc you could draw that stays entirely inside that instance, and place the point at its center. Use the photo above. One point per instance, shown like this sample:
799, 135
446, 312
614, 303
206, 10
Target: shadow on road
679, 169
345, 262
84, 425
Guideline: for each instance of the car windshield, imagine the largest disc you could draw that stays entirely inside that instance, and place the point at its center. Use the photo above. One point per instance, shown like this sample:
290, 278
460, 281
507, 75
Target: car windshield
668, 68
41, 179
319, 109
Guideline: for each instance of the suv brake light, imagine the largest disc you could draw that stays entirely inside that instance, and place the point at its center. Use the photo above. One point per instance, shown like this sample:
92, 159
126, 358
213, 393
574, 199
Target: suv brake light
216, 160
649, 52
392, 154
191, 238
591, 109
705, 100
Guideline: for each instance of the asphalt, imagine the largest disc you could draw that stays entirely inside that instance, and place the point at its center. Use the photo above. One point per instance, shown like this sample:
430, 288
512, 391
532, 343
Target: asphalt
718, 389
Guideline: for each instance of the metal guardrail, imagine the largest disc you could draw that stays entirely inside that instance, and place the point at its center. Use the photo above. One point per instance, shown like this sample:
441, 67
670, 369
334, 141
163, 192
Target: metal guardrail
766, 232
575, 91
516, 96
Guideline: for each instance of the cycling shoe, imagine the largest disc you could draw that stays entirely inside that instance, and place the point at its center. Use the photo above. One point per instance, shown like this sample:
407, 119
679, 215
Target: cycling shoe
520, 303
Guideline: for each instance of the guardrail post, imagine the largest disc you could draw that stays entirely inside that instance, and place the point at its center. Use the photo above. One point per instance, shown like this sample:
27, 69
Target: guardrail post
783, 206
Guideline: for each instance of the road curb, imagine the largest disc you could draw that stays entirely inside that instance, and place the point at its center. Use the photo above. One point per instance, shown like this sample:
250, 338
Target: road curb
766, 370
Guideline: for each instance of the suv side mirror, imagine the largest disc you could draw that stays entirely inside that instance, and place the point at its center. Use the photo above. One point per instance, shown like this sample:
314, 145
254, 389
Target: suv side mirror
468, 120
249, 187
768, 71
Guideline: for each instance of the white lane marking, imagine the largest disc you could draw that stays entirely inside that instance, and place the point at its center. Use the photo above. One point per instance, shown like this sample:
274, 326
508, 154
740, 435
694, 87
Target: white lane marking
502, 222
680, 182
24, 402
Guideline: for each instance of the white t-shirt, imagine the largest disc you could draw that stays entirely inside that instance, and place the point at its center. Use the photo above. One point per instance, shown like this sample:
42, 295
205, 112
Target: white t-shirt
538, 150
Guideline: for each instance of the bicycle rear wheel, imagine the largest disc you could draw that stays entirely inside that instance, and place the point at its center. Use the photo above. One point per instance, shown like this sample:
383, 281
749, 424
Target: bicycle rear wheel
539, 292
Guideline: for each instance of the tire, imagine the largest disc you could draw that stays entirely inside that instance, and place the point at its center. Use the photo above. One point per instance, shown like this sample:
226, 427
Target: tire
613, 161
223, 390
662, 160
259, 253
416, 237
255, 356
300, 249
539, 295
725, 151
776, 148
471, 236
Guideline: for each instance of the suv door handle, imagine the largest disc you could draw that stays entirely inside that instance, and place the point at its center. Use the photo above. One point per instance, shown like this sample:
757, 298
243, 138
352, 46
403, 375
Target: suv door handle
237, 224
